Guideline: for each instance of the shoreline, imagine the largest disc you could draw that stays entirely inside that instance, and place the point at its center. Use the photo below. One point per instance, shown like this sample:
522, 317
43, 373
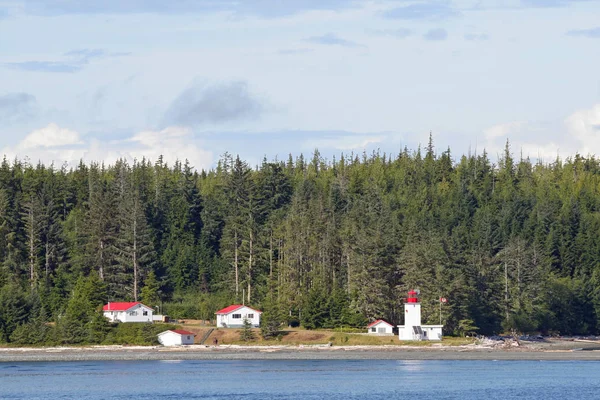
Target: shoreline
234, 352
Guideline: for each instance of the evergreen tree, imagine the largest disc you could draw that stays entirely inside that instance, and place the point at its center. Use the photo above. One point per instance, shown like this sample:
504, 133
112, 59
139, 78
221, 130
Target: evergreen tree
247, 334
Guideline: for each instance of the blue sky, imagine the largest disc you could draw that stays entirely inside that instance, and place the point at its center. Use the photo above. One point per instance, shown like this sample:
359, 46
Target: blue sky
194, 79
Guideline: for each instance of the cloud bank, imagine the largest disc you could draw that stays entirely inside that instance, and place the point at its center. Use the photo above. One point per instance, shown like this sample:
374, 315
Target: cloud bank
218, 103
436, 35
262, 8
424, 10
577, 133
55, 145
593, 33
330, 39
72, 61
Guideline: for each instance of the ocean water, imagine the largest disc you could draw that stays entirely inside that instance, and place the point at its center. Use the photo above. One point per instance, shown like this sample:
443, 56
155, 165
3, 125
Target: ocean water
301, 379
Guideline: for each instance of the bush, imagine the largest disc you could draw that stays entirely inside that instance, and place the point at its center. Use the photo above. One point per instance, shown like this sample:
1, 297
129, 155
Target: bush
136, 333
294, 323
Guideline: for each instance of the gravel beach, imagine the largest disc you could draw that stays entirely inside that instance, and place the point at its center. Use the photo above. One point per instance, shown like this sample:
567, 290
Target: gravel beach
532, 351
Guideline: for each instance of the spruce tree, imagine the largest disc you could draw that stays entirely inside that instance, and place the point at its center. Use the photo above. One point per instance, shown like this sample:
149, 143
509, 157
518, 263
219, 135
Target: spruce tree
247, 334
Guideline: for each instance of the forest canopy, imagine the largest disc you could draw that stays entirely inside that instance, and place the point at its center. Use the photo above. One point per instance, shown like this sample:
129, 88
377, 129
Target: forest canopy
511, 245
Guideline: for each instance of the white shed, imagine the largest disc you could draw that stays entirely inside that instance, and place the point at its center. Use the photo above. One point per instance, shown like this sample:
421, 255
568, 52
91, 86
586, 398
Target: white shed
177, 337
127, 312
380, 327
234, 316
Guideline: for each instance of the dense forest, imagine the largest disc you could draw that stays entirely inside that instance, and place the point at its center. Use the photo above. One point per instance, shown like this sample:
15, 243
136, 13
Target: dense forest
512, 245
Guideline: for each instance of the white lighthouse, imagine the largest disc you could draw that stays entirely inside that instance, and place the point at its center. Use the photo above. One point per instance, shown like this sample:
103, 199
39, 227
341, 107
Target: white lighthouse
412, 328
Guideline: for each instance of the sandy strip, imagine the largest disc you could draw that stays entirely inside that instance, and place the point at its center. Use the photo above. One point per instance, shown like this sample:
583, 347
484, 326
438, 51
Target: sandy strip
125, 353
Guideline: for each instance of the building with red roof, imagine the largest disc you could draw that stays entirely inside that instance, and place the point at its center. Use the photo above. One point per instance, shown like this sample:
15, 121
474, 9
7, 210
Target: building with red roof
176, 337
234, 315
380, 327
128, 311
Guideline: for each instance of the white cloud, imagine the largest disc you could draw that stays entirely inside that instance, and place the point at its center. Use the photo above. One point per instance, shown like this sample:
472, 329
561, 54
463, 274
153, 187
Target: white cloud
173, 143
577, 133
584, 125
50, 136
53, 144
503, 130
529, 139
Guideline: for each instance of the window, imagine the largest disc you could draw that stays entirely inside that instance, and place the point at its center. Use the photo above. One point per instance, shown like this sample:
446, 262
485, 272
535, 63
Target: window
250, 316
381, 330
145, 313
188, 338
133, 313
236, 316
373, 329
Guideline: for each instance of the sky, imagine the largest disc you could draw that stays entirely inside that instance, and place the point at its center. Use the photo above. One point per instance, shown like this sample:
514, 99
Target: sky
193, 79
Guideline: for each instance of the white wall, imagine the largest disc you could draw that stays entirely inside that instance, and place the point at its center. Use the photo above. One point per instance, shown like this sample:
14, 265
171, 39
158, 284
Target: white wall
412, 314
169, 338
430, 332
114, 315
243, 312
380, 329
134, 314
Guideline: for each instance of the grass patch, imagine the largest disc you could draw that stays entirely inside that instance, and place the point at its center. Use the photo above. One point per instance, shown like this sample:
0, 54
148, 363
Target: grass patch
298, 336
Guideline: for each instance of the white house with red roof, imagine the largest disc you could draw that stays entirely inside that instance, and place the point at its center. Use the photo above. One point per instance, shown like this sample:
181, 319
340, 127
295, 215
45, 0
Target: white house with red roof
380, 327
234, 315
176, 337
133, 311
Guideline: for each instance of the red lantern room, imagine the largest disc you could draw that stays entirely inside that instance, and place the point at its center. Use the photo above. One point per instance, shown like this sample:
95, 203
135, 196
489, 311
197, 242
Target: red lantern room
412, 297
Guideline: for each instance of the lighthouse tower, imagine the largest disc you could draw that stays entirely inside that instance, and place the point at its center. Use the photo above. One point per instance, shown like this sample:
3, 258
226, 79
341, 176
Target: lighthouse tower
412, 328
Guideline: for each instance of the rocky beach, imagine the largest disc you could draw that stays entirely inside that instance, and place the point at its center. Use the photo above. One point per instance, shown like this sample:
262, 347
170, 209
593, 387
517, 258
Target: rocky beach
549, 349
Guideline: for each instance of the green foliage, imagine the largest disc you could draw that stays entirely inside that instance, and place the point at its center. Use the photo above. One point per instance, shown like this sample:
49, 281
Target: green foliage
14, 310
466, 327
330, 310
150, 291
271, 319
35, 332
510, 244
136, 333
247, 334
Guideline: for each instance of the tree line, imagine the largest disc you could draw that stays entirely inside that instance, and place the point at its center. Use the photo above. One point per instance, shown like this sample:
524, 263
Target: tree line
511, 245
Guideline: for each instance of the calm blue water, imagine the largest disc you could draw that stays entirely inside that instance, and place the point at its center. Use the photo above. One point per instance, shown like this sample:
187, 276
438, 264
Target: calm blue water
300, 379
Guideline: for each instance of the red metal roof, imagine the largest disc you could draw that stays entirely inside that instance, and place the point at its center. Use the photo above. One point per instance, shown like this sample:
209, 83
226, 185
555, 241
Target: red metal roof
182, 332
234, 307
121, 305
376, 322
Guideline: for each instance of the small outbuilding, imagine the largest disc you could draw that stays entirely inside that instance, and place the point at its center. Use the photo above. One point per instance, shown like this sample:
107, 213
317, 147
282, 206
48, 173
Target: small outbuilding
133, 311
380, 327
234, 316
177, 337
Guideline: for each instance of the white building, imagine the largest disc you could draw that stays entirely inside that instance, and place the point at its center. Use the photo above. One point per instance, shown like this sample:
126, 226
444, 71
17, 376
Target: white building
380, 327
412, 328
127, 312
234, 315
177, 337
